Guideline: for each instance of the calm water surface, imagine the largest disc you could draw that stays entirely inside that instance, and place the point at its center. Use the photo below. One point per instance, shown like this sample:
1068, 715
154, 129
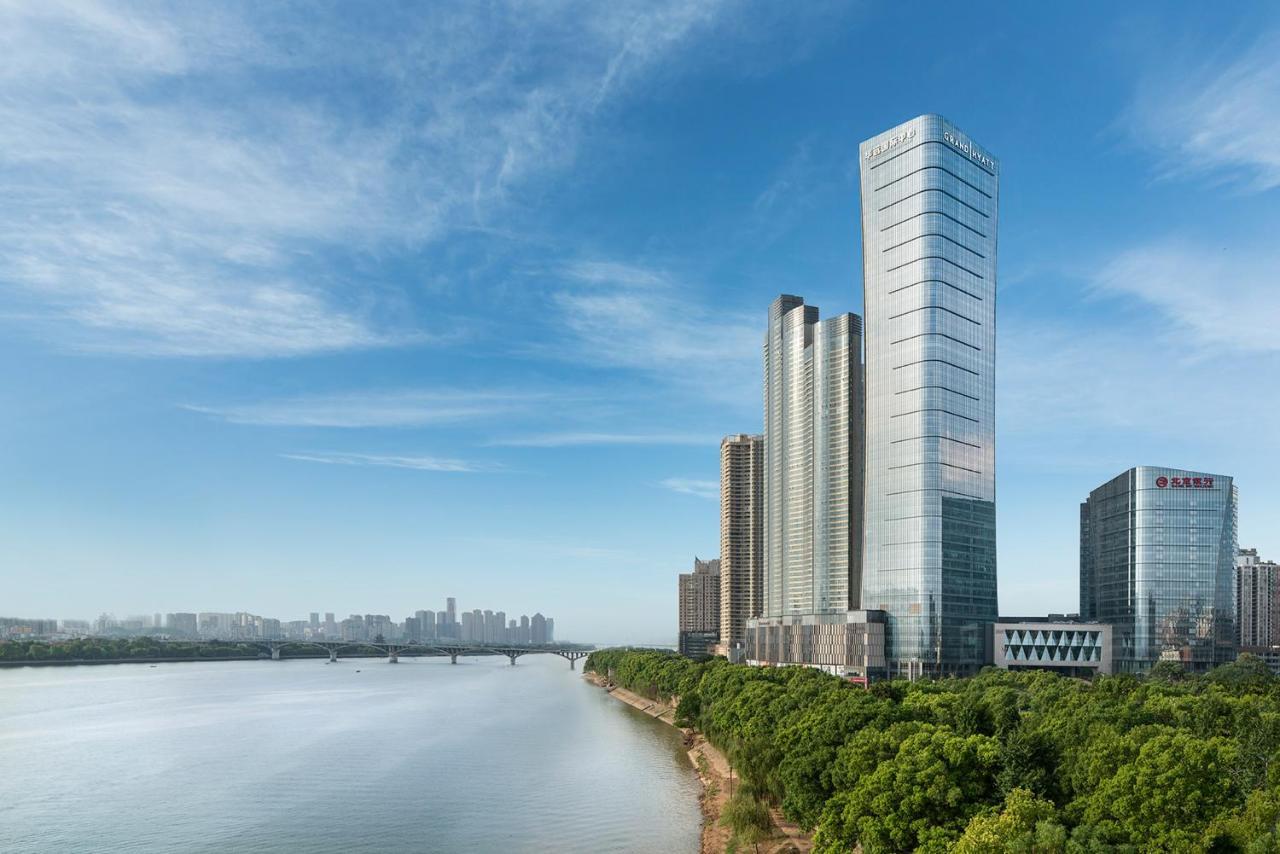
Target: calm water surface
308, 756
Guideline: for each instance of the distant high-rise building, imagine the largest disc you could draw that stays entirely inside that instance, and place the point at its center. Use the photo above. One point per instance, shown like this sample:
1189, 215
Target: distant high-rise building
214, 625
699, 608
812, 461
741, 535
526, 632
551, 630
468, 633
315, 620
1157, 556
26, 627
382, 625
1257, 596
426, 624
182, 624
538, 630
929, 211
451, 610
443, 628
353, 629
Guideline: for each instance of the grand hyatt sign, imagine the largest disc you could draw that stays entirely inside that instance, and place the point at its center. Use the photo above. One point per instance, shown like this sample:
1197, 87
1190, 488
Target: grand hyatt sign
969, 149
1163, 482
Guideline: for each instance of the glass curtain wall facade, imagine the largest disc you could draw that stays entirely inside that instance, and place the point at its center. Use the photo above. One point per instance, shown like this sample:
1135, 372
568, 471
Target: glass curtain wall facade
1157, 559
812, 460
929, 213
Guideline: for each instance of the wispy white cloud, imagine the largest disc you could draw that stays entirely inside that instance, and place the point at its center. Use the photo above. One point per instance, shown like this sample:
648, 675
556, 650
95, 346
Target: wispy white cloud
1216, 118
690, 486
376, 409
789, 181
414, 462
178, 183
644, 318
565, 440
815, 168
1213, 299
615, 274
1107, 392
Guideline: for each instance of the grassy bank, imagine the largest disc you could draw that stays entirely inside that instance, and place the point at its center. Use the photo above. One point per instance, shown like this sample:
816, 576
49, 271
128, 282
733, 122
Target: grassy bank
1001, 762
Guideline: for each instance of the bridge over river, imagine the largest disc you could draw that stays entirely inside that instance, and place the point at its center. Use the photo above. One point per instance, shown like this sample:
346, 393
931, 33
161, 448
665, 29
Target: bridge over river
394, 649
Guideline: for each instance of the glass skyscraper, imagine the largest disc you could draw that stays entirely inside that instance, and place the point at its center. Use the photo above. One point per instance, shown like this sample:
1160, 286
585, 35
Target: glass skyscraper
1157, 556
929, 212
812, 460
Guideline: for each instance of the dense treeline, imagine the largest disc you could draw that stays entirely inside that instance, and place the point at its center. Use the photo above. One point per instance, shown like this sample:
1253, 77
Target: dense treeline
95, 649
1025, 762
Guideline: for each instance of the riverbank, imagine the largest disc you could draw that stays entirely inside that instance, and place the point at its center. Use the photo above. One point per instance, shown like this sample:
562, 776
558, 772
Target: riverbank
717, 777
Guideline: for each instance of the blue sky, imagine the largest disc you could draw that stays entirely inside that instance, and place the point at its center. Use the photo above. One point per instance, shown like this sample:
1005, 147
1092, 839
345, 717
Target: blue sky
352, 307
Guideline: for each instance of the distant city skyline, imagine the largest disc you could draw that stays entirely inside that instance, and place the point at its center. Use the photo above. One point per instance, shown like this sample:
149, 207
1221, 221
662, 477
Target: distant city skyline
327, 305
475, 625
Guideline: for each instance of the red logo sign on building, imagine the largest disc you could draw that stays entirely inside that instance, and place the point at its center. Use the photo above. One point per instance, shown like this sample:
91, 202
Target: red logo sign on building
1162, 481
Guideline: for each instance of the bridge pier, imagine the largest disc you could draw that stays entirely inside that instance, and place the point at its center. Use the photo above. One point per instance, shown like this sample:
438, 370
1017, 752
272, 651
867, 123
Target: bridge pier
452, 650
393, 657
511, 652
275, 653
571, 656
333, 656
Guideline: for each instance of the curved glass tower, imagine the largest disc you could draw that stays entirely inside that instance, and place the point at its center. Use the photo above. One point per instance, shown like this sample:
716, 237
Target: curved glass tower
929, 212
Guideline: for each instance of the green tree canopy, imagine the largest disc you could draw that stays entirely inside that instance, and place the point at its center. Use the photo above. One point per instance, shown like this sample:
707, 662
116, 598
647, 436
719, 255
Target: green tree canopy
1005, 761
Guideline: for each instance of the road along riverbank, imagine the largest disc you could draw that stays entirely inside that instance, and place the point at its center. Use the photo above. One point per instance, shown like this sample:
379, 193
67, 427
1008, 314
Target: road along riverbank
716, 775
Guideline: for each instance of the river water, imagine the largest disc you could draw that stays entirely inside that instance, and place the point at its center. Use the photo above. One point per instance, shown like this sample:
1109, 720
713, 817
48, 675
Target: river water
360, 755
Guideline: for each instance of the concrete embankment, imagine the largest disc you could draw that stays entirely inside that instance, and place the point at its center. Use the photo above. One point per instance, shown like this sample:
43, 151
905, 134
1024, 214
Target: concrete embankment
717, 778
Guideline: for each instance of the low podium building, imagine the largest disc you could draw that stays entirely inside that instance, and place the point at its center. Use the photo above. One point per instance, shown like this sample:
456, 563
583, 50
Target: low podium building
1070, 647
849, 645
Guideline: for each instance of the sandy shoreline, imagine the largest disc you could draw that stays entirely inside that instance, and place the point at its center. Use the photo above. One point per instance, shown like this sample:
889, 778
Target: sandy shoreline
716, 775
